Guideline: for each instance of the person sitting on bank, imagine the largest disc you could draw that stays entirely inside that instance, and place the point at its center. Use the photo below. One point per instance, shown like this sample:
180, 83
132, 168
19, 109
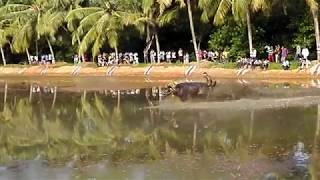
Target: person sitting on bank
286, 65
256, 63
265, 64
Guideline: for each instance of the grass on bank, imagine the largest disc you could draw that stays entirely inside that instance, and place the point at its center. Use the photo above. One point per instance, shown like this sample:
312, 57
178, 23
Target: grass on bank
272, 66
206, 64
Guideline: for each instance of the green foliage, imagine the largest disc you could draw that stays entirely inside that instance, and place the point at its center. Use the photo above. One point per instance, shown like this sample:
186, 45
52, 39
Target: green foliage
231, 37
305, 36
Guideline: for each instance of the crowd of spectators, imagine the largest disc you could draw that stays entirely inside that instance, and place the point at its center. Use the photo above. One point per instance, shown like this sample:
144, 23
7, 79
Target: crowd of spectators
44, 59
277, 54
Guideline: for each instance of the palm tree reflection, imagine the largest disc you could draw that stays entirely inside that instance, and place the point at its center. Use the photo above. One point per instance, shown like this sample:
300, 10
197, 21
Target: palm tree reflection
93, 127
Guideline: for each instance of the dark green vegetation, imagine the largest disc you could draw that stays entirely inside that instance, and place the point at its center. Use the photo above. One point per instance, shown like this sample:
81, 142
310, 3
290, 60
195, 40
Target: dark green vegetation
67, 27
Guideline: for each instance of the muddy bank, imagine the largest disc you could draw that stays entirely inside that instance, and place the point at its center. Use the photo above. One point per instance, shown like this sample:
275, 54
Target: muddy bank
160, 71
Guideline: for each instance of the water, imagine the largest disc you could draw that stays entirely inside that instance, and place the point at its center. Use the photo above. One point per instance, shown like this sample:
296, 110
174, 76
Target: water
98, 128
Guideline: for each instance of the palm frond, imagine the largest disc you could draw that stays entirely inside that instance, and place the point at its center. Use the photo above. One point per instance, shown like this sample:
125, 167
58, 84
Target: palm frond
168, 16
313, 5
23, 36
13, 8
223, 9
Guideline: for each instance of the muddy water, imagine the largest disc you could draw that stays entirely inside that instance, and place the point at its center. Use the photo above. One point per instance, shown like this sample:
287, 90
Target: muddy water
104, 128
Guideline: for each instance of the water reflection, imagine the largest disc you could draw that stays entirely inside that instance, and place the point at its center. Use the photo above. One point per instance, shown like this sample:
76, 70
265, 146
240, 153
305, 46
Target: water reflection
67, 129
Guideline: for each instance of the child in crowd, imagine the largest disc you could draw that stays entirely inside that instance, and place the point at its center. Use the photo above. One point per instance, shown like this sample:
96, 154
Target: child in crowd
286, 65
180, 54
186, 58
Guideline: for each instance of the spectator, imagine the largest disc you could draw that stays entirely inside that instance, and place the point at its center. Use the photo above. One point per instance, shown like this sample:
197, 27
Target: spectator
305, 53
100, 61
173, 56
265, 64
180, 54
305, 62
75, 59
210, 55
270, 53
216, 56
224, 56
199, 54
205, 54
284, 54
168, 56
136, 58
186, 58
153, 55
131, 58
298, 52
162, 56
285, 65
253, 54
277, 53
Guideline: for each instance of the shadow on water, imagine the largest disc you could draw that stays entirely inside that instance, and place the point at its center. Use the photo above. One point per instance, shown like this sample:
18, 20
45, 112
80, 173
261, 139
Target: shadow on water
49, 133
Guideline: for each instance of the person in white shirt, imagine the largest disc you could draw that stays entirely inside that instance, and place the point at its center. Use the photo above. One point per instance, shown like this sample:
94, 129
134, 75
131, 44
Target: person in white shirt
253, 54
305, 54
186, 58
286, 65
298, 52
136, 58
173, 55
180, 54
168, 56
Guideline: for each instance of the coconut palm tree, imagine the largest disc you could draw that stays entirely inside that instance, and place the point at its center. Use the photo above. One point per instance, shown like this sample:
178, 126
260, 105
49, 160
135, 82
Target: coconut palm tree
3, 42
3, 36
155, 14
164, 16
241, 10
33, 20
49, 24
194, 40
98, 24
314, 8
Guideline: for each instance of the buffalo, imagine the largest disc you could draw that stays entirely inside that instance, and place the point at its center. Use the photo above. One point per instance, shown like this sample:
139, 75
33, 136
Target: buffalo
185, 90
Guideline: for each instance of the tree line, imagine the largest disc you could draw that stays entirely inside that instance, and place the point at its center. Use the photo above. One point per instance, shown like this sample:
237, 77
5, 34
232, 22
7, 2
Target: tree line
88, 26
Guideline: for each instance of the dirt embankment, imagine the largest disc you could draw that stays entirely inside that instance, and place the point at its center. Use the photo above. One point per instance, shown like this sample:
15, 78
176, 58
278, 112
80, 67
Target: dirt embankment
159, 71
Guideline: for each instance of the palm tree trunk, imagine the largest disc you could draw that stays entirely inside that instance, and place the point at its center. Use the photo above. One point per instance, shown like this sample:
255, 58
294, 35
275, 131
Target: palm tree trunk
249, 30
51, 51
146, 50
80, 55
85, 94
316, 136
317, 34
3, 57
54, 97
28, 54
5, 93
194, 41
251, 125
195, 130
317, 132
37, 48
157, 46
119, 100
30, 93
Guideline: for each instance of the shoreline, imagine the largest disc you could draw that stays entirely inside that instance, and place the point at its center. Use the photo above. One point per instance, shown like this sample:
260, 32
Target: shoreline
157, 71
